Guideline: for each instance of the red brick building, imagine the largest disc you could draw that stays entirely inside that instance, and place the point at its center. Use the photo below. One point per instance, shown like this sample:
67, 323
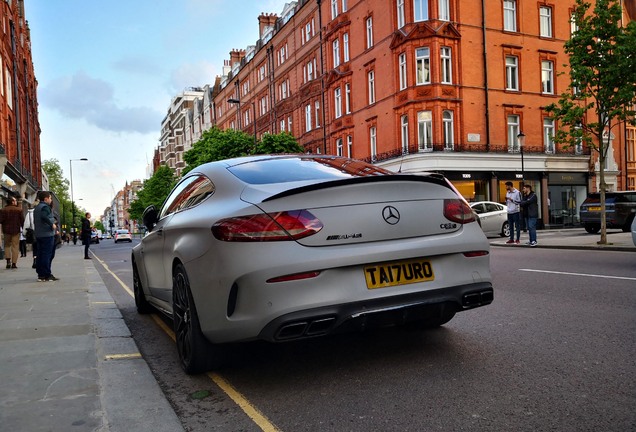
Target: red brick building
20, 167
450, 86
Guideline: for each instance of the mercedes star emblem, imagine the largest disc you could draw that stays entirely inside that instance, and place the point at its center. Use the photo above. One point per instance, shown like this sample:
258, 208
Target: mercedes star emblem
391, 215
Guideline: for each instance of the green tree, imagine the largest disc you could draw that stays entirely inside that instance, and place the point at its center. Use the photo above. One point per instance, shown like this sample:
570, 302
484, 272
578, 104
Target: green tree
602, 94
60, 187
283, 142
154, 191
100, 226
216, 144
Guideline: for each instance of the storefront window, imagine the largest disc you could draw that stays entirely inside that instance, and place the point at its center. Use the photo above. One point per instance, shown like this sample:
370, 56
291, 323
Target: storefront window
564, 202
473, 190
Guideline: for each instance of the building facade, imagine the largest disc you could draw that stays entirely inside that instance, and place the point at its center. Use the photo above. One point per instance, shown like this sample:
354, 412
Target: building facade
20, 165
416, 86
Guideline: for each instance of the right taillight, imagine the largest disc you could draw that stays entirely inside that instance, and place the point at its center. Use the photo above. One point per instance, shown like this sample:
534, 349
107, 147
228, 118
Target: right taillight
457, 210
280, 226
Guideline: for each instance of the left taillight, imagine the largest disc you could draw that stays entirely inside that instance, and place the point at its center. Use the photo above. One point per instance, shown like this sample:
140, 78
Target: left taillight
457, 210
280, 226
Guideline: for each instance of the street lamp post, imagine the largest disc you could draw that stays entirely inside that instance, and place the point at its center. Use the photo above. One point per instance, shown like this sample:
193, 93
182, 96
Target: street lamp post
238, 110
70, 163
522, 141
238, 102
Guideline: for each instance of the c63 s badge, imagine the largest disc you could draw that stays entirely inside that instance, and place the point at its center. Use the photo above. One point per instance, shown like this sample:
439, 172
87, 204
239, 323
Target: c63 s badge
344, 236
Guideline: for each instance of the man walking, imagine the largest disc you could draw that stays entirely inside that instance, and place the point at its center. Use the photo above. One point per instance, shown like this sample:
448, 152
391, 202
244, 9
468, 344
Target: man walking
513, 198
12, 220
530, 206
45, 228
86, 234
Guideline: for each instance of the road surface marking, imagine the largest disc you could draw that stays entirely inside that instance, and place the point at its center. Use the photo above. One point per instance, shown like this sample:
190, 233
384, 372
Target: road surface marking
250, 410
578, 274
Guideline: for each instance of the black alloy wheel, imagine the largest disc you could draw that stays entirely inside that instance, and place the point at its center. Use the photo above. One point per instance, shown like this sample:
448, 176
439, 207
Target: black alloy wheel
143, 307
196, 353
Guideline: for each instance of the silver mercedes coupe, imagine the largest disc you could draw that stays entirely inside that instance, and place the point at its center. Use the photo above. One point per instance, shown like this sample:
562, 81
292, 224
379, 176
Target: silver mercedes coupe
284, 247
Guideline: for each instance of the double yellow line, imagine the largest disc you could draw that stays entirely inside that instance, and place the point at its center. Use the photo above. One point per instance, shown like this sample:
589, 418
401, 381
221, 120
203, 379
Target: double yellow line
250, 410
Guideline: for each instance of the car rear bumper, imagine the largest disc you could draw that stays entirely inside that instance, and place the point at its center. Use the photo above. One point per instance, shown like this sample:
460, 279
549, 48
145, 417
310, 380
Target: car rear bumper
379, 312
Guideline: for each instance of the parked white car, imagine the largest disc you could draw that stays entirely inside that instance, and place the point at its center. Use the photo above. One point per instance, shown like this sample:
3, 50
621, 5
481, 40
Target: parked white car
493, 217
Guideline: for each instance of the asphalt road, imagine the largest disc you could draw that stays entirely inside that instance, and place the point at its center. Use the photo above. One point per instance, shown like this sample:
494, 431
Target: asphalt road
554, 352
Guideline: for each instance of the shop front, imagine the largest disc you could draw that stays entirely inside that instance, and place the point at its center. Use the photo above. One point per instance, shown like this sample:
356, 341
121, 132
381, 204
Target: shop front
566, 193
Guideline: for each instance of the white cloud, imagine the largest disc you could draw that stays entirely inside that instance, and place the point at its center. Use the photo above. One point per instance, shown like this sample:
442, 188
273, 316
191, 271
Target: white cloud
192, 75
83, 97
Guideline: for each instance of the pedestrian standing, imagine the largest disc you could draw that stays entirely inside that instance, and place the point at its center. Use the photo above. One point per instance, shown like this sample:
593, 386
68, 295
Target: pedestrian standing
29, 224
86, 234
12, 220
513, 198
530, 205
45, 228
22, 244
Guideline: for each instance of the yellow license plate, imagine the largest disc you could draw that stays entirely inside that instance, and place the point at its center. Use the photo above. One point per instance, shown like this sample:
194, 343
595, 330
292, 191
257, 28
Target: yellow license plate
398, 273
594, 209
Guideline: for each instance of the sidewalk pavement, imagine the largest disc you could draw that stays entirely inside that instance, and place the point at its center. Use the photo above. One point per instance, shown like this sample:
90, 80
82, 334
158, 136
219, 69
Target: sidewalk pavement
574, 238
67, 359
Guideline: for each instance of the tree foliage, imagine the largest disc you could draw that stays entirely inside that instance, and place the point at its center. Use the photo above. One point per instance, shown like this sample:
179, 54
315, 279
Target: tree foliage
216, 144
60, 187
602, 68
154, 191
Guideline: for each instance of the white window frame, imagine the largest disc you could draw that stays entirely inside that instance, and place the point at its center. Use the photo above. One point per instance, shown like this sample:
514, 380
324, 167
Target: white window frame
336, 52
512, 122
420, 10
369, 25
345, 47
446, 55
404, 128
422, 66
548, 135
373, 142
344, 5
444, 10
448, 129
282, 125
425, 131
510, 15
339, 147
545, 21
317, 113
512, 73
347, 98
401, 20
308, 118
349, 145
337, 99
402, 69
334, 9
547, 77
371, 82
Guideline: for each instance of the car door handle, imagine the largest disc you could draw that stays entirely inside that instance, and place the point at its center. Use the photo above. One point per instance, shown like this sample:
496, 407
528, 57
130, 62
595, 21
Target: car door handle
160, 232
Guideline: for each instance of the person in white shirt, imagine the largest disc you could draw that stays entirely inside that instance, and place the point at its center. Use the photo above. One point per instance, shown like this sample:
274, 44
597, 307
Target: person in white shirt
513, 198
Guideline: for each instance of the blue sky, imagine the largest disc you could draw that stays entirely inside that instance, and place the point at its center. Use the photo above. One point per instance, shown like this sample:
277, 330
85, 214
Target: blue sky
107, 71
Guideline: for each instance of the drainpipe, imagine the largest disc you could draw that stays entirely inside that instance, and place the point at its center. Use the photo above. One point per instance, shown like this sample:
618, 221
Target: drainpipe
16, 106
485, 55
322, 81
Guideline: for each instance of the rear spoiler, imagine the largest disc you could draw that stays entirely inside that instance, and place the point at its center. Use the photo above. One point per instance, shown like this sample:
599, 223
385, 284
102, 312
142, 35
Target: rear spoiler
428, 178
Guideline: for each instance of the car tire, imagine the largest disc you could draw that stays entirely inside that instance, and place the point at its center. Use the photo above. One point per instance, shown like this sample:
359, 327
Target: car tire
592, 228
505, 230
143, 307
196, 353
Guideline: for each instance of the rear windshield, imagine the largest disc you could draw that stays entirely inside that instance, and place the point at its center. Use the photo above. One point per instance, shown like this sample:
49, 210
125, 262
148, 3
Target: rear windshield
295, 169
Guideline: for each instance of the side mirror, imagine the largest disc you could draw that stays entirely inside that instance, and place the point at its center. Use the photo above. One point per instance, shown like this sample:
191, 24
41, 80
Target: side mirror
150, 217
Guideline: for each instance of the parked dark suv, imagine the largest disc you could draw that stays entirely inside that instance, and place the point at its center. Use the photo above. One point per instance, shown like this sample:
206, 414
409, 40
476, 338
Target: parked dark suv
620, 208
